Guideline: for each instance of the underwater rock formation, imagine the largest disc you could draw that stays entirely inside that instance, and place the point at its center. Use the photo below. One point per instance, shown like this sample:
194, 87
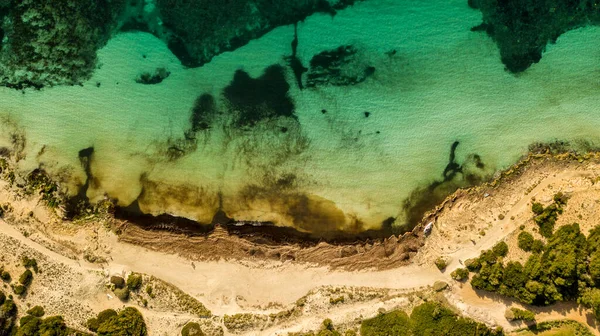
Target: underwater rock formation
53, 42
523, 28
266, 97
339, 67
227, 25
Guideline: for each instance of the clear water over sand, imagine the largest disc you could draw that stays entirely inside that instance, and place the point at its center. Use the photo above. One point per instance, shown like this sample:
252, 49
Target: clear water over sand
328, 171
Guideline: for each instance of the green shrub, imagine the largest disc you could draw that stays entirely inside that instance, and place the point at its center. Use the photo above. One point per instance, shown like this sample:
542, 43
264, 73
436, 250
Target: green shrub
546, 217
537, 246
336, 300
516, 314
593, 240
26, 278
122, 293
150, 291
118, 281
441, 263
134, 281
29, 325
8, 308
19, 289
129, 321
473, 265
54, 325
591, 299
92, 324
525, 241
5, 276
460, 274
192, 329
392, 323
560, 199
500, 249
537, 208
37, 311
488, 257
106, 315
29, 263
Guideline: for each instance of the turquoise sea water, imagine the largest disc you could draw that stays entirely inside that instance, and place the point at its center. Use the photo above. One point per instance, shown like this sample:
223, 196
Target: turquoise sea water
338, 170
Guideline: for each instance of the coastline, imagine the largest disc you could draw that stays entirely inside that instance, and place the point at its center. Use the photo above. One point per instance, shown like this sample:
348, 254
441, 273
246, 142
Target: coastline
202, 265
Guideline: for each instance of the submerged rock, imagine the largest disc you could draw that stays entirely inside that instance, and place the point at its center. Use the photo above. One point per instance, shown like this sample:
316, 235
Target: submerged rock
339, 67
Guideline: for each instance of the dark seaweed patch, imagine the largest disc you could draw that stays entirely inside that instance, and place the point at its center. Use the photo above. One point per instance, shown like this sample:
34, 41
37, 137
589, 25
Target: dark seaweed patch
77, 205
263, 98
338, 67
163, 222
202, 116
297, 67
157, 77
426, 198
308, 212
203, 113
452, 168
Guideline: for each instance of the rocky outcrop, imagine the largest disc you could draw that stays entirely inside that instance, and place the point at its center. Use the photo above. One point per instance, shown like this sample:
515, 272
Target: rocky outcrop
523, 28
52, 42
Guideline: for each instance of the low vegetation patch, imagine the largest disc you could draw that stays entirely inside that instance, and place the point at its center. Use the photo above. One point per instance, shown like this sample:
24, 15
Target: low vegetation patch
555, 328
427, 319
32, 324
134, 281
516, 314
441, 263
460, 274
192, 329
128, 321
29, 263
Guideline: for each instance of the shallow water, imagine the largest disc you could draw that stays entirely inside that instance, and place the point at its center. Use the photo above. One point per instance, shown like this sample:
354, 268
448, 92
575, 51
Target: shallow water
339, 170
